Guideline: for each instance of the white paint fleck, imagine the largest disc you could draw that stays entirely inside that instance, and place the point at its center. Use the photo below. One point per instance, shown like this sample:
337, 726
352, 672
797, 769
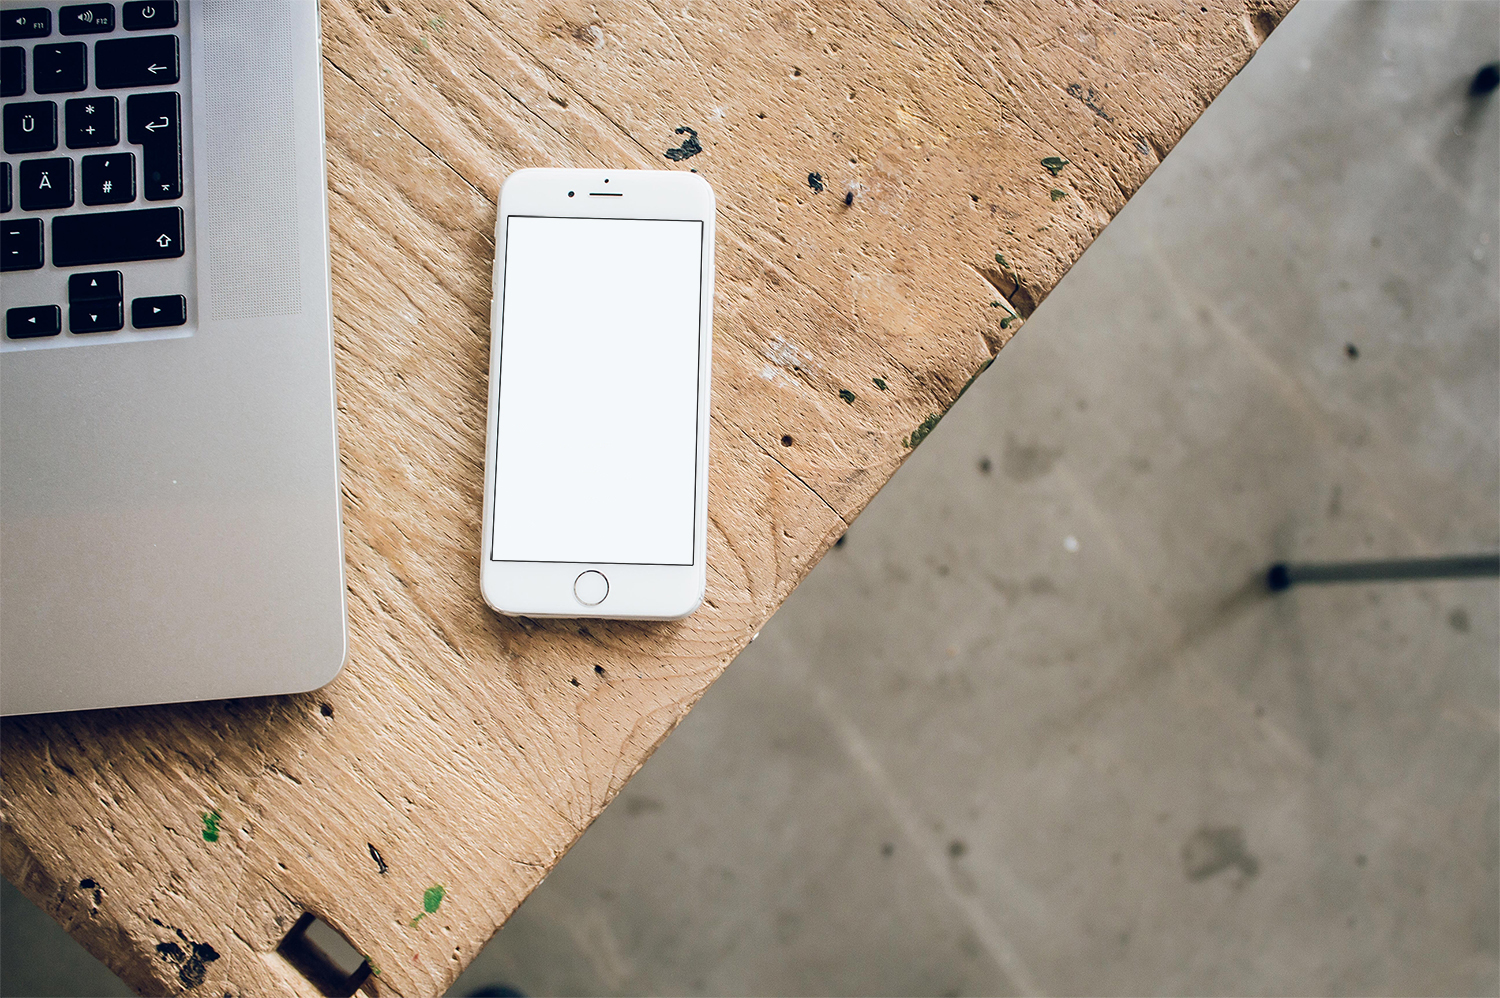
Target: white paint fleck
768, 372
786, 354
1070, 544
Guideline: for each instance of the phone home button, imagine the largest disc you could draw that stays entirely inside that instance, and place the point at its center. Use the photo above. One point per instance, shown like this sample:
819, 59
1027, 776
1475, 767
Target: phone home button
591, 588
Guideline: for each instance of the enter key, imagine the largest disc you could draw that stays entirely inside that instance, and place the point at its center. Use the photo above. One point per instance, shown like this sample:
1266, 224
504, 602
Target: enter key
154, 122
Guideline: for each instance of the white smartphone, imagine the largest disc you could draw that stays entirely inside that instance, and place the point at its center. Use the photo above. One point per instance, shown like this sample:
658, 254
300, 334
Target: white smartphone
601, 334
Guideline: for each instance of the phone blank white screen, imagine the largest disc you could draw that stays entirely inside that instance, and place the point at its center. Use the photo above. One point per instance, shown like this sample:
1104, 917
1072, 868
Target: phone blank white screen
596, 436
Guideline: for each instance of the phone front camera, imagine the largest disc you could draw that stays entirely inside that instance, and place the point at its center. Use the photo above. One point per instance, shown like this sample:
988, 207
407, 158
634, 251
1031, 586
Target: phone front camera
570, 194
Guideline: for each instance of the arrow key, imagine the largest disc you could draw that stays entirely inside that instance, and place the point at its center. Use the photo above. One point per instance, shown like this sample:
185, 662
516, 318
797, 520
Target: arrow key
100, 285
148, 61
28, 323
96, 317
163, 310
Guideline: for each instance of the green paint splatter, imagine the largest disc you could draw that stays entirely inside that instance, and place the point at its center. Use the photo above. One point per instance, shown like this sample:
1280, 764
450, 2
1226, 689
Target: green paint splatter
880, 383
1054, 164
973, 377
846, 395
1057, 194
438, 23
930, 423
1001, 261
211, 821
1005, 322
431, 899
920, 433
994, 304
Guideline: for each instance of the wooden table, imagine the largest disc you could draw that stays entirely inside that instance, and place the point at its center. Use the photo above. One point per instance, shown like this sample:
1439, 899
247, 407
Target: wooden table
899, 186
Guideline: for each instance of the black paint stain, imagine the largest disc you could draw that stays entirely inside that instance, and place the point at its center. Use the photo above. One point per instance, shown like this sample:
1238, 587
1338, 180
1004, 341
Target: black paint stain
957, 848
815, 181
1023, 461
690, 145
1351, 351
599, 670
1076, 90
786, 440
575, 682
326, 710
192, 963
90, 884
1486, 81
1210, 850
379, 859
985, 465
848, 198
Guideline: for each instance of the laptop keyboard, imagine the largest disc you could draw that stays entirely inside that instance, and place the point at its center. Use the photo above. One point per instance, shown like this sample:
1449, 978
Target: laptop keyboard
92, 193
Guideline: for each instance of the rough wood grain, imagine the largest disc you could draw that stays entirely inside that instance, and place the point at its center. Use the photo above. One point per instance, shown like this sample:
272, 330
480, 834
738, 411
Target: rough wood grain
984, 146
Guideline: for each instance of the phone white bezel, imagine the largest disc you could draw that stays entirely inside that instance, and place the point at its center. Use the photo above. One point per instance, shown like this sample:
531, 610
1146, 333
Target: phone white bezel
642, 592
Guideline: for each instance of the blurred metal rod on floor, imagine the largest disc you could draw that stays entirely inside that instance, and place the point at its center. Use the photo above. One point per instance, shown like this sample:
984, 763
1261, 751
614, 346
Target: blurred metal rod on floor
1283, 576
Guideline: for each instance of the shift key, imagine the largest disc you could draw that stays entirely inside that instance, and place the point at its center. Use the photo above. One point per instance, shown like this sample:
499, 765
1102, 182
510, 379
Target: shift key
116, 236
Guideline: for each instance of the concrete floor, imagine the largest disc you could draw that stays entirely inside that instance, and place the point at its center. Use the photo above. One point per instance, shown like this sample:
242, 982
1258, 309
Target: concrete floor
1034, 728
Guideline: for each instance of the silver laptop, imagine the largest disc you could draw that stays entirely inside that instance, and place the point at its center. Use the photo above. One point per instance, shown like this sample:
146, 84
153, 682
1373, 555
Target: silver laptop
169, 500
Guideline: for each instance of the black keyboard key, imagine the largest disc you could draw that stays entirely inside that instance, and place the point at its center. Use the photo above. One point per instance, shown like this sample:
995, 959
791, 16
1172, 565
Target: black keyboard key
37, 320
154, 122
46, 183
4, 187
116, 236
91, 122
154, 313
101, 285
136, 62
33, 22
97, 316
109, 178
31, 127
12, 71
60, 69
86, 19
144, 15
21, 244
